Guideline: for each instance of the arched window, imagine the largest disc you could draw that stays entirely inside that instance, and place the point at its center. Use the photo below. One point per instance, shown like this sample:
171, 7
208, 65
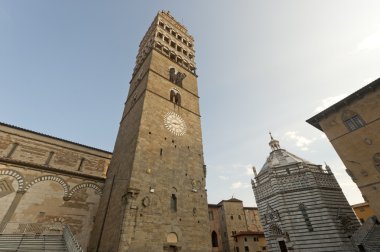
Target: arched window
173, 203
175, 96
352, 120
214, 239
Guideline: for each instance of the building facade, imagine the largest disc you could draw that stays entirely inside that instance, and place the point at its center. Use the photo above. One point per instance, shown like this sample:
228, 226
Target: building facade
363, 211
234, 227
47, 182
352, 125
301, 205
155, 187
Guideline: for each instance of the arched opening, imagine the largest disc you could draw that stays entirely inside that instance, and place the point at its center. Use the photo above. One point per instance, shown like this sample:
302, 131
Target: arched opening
214, 239
172, 238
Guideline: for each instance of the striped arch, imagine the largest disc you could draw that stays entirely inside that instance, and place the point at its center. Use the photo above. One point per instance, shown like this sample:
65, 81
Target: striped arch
16, 175
52, 178
97, 189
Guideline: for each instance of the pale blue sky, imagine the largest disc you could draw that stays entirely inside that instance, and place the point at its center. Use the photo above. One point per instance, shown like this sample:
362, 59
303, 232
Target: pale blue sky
65, 68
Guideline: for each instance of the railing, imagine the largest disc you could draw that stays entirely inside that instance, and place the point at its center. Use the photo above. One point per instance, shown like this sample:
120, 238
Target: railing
34, 228
71, 243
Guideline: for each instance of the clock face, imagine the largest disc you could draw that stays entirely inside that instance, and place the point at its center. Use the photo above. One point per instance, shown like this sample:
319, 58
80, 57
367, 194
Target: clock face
175, 124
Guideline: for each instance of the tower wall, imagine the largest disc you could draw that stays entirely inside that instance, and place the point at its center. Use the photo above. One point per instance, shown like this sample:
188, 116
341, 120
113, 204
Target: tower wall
155, 197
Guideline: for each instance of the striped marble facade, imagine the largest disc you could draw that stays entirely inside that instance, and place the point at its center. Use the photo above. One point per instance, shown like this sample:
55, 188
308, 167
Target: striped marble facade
301, 205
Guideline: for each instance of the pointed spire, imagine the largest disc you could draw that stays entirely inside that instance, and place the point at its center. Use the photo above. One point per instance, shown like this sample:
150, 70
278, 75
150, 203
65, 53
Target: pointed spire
274, 144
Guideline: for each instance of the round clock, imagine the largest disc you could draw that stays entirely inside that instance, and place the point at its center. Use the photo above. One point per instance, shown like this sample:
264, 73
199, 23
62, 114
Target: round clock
175, 124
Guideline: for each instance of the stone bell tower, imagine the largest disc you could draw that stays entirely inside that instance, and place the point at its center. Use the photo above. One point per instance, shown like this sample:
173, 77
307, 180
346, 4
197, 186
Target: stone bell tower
154, 197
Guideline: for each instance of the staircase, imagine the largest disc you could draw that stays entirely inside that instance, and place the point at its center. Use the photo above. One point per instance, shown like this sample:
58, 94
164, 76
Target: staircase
32, 243
64, 241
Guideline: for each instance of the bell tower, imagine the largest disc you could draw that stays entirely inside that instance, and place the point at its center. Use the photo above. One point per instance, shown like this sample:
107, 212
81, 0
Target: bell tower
154, 197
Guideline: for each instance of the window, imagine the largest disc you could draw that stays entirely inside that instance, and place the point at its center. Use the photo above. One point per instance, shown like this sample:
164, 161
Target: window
173, 203
306, 217
167, 29
172, 44
210, 215
159, 46
165, 50
214, 239
237, 249
376, 160
172, 56
352, 120
354, 123
166, 39
179, 37
245, 238
256, 239
246, 249
264, 248
287, 170
239, 217
232, 217
361, 220
175, 97
160, 35
161, 24
173, 33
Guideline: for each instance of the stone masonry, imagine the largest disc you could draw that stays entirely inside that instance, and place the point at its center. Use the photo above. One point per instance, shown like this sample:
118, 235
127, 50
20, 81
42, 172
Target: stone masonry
154, 198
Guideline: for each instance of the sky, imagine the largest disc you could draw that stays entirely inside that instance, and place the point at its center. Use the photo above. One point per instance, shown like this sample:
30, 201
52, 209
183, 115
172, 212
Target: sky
263, 66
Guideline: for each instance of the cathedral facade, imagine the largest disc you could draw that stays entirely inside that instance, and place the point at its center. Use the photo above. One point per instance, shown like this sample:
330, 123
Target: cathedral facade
301, 205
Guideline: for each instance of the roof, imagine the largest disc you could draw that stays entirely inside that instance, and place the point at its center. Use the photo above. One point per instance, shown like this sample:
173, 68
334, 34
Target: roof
52, 137
230, 200
279, 158
249, 232
349, 99
360, 205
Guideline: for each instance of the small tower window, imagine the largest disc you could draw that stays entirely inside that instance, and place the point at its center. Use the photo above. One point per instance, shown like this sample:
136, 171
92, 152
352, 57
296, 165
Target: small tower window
173, 203
175, 96
172, 56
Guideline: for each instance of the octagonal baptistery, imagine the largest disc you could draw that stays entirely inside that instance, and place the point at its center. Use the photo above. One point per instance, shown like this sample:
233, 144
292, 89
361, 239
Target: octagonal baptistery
301, 205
